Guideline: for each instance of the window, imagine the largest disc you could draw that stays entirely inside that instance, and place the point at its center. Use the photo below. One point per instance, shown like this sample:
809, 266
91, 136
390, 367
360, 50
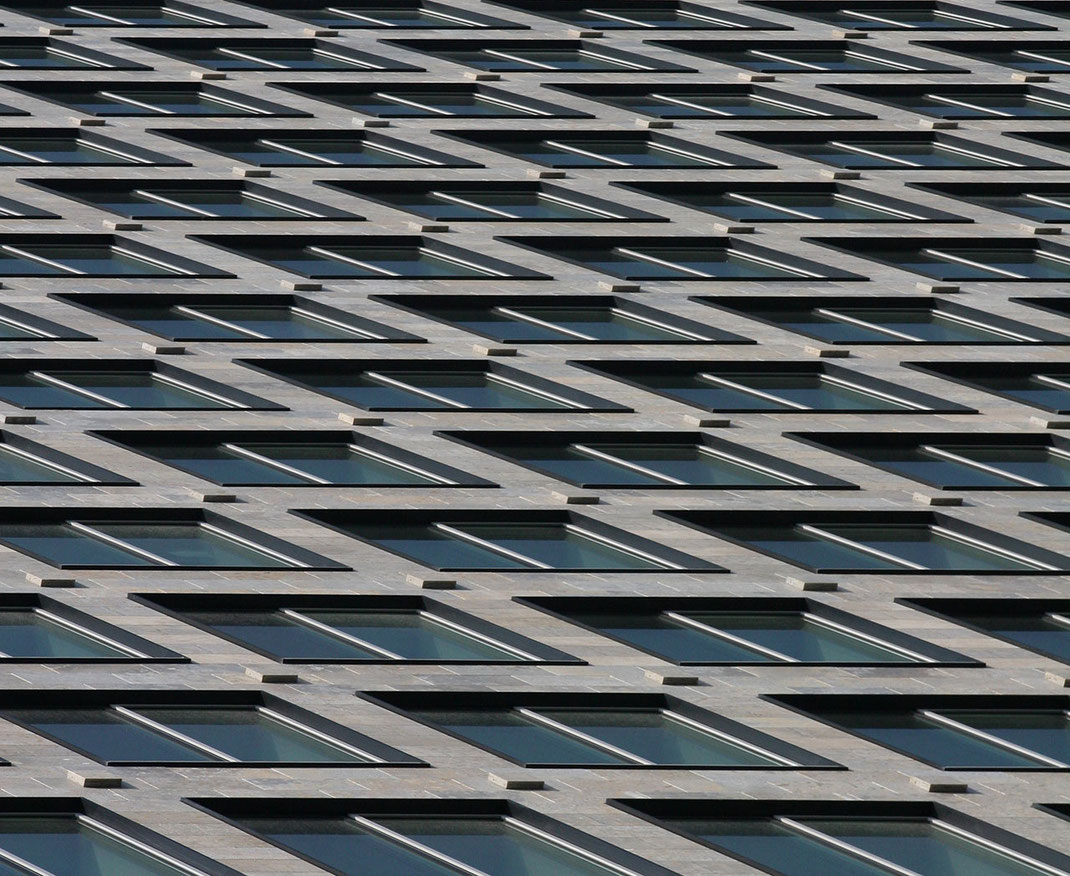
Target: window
125, 13
613, 149
885, 542
644, 15
688, 101
1037, 384
39, 629
797, 837
990, 732
1047, 7
309, 148
520, 541
92, 255
574, 730
1033, 56
781, 386
892, 150
811, 56
194, 316
420, 837
10, 209
171, 99
190, 728
680, 258
959, 460
903, 319
45, 53
352, 629
192, 199
380, 257
72, 146
379, 13
1004, 259
539, 56
268, 54
968, 101
27, 463
1037, 202
900, 15
667, 460
434, 100
562, 319
431, 385
142, 538
789, 202
305, 458
16, 325
733, 631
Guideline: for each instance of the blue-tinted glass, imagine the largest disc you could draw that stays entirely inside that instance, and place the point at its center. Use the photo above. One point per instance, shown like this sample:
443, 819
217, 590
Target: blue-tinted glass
338, 464
1046, 732
489, 321
278, 322
918, 462
792, 60
26, 633
712, 104
138, 389
29, 391
1036, 632
170, 322
279, 635
692, 464
693, 389
515, 59
444, 101
816, 392
1023, 205
378, 15
930, 549
799, 546
90, 259
891, 154
190, 544
113, 14
150, 102
365, 261
823, 325
367, 392
62, 545
930, 326
571, 464
1033, 390
601, 323
479, 390
986, 105
682, 263
558, 546
1040, 464
18, 469
436, 549
223, 466
673, 640
592, 151
16, 149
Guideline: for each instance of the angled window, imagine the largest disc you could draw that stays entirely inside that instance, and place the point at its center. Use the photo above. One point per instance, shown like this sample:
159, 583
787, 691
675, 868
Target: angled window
496, 540
307, 148
958, 460
989, 732
797, 837
1033, 56
379, 13
1038, 384
267, 54
291, 459
811, 56
483, 837
680, 258
491, 201
899, 15
781, 386
73, 146
430, 385
10, 209
612, 149
17, 325
967, 101
539, 56
429, 100
643, 15
125, 13
575, 730
885, 542
733, 631
142, 538
1037, 202
381, 257
892, 150
668, 460
562, 319
117, 385
192, 316
45, 53
1038, 625
191, 199
790, 202
683, 100
27, 463
900, 320
1059, 8
1003, 259
192, 728
352, 629
92, 255
172, 99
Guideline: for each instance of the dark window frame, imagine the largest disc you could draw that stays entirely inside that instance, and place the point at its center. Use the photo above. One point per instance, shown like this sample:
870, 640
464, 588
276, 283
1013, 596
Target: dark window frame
99, 61
965, 373
477, 20
734, 20
139, 157
96, 476
51, 331
180, 265
976, 49
37, 9
904, 97
968, 194
797, 8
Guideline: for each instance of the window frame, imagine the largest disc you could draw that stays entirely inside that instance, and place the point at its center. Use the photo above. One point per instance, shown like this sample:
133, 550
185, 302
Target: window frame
92, 60
1060, 195
47, 329
472, 19
196, 13
967, 374
995, 23
89, 475
905, 97
180, 266
718, 19
137, 156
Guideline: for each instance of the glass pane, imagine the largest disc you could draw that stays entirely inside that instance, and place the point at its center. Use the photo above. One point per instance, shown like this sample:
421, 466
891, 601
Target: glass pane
95, 260
1024, 205
399, 102
603, 323
559, 547
169, 322
671, 639
479, 390
799, 546
571, 464
339, 464
62, 545
1047, 732
692, 464
191, 544
15, 468
927, 325
223, 466
31, 391
712, 104
1032, 390
918, 462
930, 549
822, 323
280, 322
1036, 632
694, 389
1038, 464
591, 151
139, 389
26, 633
815, 391
436, 549
491, 322
55, 150
280, 636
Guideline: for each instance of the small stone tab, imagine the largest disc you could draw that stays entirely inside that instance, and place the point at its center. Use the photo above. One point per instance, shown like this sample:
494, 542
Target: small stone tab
42, 581
1049, 424
202, 496
670, 678
56, 31
578, 34
431, 583
272, 675
516, 781
18, 419
841, 174
946, 501
938, 124
655, 123
707, 422
319, 32
575, 498
850, 34
360, 420
94, 780
827, 352
485, 350
164, 349
619, 288
207, 74
88, 123
725, 228
483, 77
938, 288
302, 285
547, 174
1041, 229
813, 585
252, 172
428, 228
940, 786
1030, 77
756, 77
120, 225
372, 123
1055, 678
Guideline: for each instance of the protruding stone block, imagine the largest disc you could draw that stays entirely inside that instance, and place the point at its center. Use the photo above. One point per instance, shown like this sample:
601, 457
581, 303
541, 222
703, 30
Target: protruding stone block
163, 349
707, 422
360, 420
432, 583
272, 675
576, 498
939, 786
491, 350
85, 779
18, 419
813, 585
49, 581
674, 679
516, 781
937, 499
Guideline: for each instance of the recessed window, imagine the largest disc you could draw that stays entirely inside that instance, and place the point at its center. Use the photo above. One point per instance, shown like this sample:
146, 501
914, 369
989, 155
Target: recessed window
71, 146
562, 319
991, 732
16, 325
429, 100
496, 540
790, 202
352, 629
144, 538
190, 728
680, 258
431, 385
959, 461
1033, 56
125, 13
968, 101
613, 149
892, 150
1037, 202
791, 837
810, 56
1059, 8
899, 320
780, 386
10, 209
687, 101
27, 463
379, 257
885, 542
195, 316
644, 15
602, 730
491, 201
719, 631
380, 13
1037, 384
92, 255
291, 459
45, 53
539, 56
309, 148
268, 54
901, 15
668, 460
